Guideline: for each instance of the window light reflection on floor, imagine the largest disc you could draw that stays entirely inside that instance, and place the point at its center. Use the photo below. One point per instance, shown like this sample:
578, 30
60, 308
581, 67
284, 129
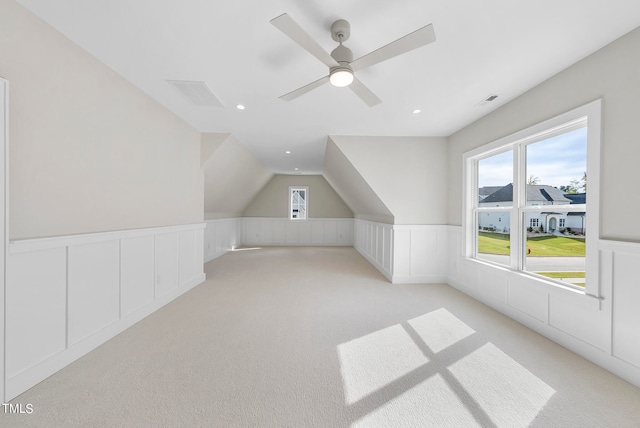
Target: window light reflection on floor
480, 386
440, 329
431, 403
509, 394
372, 361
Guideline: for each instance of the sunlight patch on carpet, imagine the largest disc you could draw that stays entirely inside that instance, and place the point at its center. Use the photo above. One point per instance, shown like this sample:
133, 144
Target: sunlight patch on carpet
430, 403
440, 329
506, 391
482, 386
373, 361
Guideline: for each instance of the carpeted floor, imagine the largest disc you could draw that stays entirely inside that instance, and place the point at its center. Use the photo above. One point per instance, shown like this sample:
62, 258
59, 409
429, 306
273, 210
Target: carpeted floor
316, 337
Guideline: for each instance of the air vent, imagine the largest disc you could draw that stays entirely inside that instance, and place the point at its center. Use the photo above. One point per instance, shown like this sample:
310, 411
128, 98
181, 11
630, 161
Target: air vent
487, 100
196, 92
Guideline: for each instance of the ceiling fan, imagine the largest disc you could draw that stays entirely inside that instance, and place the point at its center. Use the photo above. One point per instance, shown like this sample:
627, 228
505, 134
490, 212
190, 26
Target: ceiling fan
341, 63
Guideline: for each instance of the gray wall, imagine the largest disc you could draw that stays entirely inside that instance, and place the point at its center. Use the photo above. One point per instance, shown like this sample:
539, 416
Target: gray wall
612, 73
88, 150
273, 199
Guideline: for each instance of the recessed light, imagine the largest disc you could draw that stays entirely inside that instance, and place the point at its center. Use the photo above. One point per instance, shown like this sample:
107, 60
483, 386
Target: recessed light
416, 111
240, 107
288, 152
296, 169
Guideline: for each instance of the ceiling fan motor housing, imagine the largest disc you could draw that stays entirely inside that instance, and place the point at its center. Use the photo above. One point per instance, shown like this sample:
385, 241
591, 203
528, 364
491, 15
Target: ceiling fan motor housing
342, 54
340, 30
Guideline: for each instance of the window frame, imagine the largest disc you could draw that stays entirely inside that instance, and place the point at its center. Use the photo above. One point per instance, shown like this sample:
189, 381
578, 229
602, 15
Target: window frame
306, 202
591, 114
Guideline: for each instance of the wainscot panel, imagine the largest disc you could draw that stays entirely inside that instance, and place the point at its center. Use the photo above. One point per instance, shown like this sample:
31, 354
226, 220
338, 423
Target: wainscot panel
166, 263
93, 288
67, 295
221, 236
36, 308
366, 242
420, 254
626, 301
137, 263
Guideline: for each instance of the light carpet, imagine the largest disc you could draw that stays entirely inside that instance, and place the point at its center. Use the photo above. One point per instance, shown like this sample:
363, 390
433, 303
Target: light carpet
316, 337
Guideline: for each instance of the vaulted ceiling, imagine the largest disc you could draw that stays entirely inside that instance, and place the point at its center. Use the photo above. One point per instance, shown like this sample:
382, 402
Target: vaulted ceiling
482, 48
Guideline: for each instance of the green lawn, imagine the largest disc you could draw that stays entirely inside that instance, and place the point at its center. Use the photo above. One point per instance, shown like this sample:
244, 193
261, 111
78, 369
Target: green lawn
562, 274
542, 246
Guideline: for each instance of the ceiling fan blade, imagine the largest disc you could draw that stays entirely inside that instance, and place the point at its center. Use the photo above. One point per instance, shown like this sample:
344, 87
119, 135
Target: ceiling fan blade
411, 41
307, 88
364, 93
295, 32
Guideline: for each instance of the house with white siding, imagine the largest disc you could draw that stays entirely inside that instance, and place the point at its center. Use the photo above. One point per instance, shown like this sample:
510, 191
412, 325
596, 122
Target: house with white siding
551, 221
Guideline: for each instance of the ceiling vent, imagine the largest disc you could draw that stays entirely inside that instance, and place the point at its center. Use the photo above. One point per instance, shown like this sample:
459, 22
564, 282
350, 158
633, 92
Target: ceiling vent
197, 92
487, 100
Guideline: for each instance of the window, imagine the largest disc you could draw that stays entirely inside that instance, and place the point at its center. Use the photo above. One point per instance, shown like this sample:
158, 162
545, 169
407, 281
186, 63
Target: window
526, 200
298, 197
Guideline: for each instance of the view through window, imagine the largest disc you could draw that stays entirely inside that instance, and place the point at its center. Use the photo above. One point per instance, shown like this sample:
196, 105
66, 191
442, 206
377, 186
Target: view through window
530, 209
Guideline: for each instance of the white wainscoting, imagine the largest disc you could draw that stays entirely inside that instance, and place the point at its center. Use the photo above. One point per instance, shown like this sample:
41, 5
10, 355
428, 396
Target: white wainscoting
420, 254
405, 254
282, 231
221, 236
67, 295
605, 332
375, 242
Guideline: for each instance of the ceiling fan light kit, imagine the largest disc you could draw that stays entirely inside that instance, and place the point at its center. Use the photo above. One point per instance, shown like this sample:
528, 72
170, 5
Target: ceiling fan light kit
341, 77
340, 62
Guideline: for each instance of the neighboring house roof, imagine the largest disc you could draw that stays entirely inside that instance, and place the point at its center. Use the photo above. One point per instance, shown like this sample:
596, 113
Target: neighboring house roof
535, 193
577, 198
487, 190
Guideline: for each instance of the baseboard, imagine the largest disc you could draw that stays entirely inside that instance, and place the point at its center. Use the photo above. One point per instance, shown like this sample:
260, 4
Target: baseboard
214, 256
375, 264
428, 279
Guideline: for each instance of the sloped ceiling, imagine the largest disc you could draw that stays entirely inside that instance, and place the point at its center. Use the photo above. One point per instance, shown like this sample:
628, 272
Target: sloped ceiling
232, 176
406, 174
352, 187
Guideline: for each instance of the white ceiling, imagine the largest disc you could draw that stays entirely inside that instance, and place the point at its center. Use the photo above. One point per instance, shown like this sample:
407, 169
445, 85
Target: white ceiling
484, 47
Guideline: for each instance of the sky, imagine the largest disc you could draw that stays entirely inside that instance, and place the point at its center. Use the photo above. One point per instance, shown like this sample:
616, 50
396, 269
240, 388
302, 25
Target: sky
555, 161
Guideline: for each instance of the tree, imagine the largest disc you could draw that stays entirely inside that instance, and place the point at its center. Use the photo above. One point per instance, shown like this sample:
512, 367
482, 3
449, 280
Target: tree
533, 179
580, 184
576, 186
569, 189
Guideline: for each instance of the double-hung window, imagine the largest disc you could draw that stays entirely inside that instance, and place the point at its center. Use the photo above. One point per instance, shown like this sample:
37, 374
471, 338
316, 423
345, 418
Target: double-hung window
526, 200
298, 197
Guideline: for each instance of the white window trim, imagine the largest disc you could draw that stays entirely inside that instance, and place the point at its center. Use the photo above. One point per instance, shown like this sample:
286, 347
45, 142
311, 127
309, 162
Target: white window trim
592, 113
306, 192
